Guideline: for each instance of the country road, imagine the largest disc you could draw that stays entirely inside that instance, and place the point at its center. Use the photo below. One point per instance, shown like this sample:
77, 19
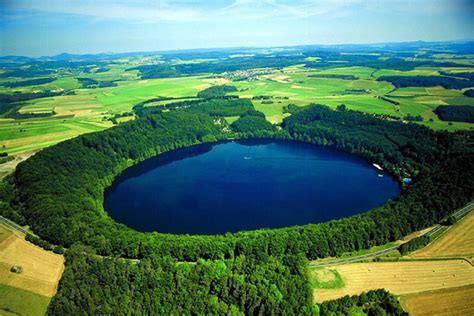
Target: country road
458, 214
14, 226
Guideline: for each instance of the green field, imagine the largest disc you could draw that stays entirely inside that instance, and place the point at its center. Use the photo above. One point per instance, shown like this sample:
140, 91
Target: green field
302, 89
324, 278
15, 301
90, 109
92, 95
85, 112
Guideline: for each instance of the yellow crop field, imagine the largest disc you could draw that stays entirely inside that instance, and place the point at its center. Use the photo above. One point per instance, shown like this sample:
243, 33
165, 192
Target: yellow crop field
41, 269
402, 277
453, 301
4, 233
458, 241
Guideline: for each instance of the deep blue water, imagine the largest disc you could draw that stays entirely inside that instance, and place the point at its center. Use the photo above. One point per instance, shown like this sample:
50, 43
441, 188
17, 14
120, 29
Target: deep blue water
245, 185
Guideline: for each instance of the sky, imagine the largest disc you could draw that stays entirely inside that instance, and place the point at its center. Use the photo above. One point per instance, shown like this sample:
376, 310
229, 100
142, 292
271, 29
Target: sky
49, 27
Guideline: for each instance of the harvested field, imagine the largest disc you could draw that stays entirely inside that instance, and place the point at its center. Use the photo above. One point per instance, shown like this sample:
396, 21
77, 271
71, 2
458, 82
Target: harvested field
400, 278
41, 269
7, 167
4, 233
279, 78
216, 81
453, 301
457, 241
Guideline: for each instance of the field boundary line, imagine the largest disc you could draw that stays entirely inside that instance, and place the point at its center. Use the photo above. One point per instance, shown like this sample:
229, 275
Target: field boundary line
428, 259
13, 225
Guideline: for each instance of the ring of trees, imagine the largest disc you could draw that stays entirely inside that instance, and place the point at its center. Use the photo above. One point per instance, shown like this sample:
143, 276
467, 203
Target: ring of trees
59, 191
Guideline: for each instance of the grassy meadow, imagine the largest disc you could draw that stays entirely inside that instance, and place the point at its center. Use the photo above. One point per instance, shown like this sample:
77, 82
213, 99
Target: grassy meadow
90, 109
16, 301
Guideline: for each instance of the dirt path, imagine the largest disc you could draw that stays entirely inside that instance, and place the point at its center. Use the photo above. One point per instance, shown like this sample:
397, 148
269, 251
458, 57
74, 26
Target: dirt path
8, 167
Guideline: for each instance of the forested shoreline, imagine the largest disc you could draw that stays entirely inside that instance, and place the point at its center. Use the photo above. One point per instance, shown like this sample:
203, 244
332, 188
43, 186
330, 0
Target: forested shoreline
59, 193
68, 180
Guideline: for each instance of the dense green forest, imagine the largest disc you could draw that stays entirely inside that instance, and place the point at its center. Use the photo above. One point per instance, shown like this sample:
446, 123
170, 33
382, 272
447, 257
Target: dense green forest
388, 143
38, 68
156, 71
456, 113
469, 93
215, 91
465, 75
89, 83
414, 244
428, 81
12, 101
372, 61
31, 82
223, 106
376, 302
161, 286
60, 190
413, 118
389, 100
59, 193
252, 122
15, 114
29, 72
331, 76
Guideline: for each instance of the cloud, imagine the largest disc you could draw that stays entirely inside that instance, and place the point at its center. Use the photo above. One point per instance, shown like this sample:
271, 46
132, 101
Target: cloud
306, 9
228, 10
181, 11
123, 10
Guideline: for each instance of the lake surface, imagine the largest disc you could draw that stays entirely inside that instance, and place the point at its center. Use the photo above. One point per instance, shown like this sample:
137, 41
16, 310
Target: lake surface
245, 185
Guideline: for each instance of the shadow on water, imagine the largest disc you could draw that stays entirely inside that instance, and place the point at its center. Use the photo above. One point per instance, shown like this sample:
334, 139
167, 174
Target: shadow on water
161, 160
254, 142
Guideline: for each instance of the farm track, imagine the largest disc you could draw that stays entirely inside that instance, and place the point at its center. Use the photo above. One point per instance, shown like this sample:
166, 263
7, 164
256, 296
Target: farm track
13, 226
458, 214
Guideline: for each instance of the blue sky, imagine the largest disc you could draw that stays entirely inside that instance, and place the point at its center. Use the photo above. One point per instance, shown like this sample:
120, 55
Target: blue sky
48, 27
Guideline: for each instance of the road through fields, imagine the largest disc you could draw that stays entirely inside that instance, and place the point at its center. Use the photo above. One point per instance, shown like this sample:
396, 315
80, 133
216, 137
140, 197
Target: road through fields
458, 214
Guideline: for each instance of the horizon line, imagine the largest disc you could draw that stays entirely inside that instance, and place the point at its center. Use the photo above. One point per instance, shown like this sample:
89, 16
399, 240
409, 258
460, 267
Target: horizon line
464, 40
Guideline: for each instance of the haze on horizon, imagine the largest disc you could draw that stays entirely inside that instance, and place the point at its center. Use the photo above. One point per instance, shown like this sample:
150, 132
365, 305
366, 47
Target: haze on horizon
49, 27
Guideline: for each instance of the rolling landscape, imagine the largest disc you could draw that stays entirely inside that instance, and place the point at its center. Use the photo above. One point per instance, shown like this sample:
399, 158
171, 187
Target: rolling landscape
246, 174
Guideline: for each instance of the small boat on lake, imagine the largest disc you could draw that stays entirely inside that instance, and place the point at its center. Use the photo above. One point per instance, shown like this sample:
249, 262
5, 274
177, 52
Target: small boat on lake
377, 166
